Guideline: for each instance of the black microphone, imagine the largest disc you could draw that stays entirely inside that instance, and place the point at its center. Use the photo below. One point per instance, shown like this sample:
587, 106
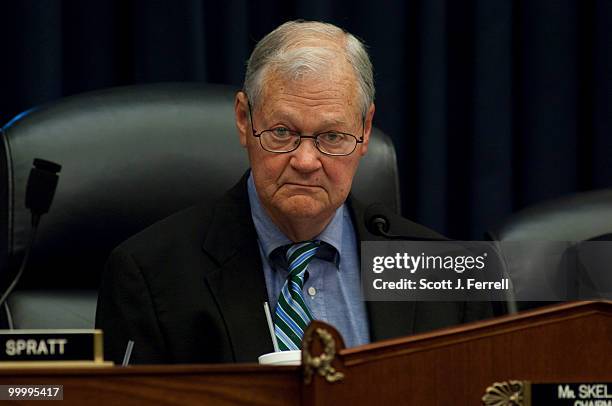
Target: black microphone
377, 222
40, 190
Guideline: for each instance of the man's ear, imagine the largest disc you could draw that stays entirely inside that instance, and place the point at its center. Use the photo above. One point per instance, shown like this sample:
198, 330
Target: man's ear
367, 129
241, 112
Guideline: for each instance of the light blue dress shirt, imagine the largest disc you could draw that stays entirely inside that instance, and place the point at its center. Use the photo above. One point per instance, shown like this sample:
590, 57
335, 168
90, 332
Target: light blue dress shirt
333, 289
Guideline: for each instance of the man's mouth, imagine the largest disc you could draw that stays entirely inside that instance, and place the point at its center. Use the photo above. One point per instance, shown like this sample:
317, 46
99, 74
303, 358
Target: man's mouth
305, 185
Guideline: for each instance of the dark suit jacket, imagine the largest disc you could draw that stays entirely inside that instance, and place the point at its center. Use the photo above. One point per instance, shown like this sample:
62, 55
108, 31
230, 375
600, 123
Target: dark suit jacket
190, 289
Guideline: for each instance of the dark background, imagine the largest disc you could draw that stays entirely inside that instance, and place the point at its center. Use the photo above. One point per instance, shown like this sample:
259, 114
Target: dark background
492, 104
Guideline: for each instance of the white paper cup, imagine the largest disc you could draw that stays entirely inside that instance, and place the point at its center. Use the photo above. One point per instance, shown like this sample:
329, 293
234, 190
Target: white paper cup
281, 358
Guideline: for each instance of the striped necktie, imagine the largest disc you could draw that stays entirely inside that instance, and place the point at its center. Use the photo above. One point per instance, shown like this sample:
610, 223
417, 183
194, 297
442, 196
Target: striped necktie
292, 315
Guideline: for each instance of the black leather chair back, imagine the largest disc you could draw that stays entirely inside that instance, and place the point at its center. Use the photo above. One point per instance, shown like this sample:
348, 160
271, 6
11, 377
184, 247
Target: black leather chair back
552, 231
577, 217
130, 156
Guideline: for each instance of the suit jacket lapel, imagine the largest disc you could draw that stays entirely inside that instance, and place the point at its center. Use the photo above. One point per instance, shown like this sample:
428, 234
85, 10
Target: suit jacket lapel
387, 319
239, 288
238, 284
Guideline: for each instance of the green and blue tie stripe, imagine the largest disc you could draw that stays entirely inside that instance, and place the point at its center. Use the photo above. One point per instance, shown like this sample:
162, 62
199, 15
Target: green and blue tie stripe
292, 315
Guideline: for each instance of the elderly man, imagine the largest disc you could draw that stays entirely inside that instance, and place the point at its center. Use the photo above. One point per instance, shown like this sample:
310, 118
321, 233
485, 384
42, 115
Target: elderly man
191, 288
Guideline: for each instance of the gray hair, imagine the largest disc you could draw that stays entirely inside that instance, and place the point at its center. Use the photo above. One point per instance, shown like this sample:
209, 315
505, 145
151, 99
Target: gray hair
294, 50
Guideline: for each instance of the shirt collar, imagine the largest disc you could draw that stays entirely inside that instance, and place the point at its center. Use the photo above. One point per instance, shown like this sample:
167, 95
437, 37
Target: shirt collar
271, 237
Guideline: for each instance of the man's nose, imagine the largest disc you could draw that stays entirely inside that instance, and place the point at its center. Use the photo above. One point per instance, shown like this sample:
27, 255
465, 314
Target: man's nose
306, 158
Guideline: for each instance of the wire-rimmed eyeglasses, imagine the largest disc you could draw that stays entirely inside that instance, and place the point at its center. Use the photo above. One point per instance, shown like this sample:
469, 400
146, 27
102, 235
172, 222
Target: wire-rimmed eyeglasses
281, 140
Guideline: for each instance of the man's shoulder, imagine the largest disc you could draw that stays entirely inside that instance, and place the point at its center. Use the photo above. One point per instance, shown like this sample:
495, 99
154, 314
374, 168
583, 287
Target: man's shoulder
186, 228
398, 225
186, 231
401, 225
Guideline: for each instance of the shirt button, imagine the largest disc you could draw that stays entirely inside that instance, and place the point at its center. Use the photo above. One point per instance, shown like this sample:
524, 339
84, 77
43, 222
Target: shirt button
312, 291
